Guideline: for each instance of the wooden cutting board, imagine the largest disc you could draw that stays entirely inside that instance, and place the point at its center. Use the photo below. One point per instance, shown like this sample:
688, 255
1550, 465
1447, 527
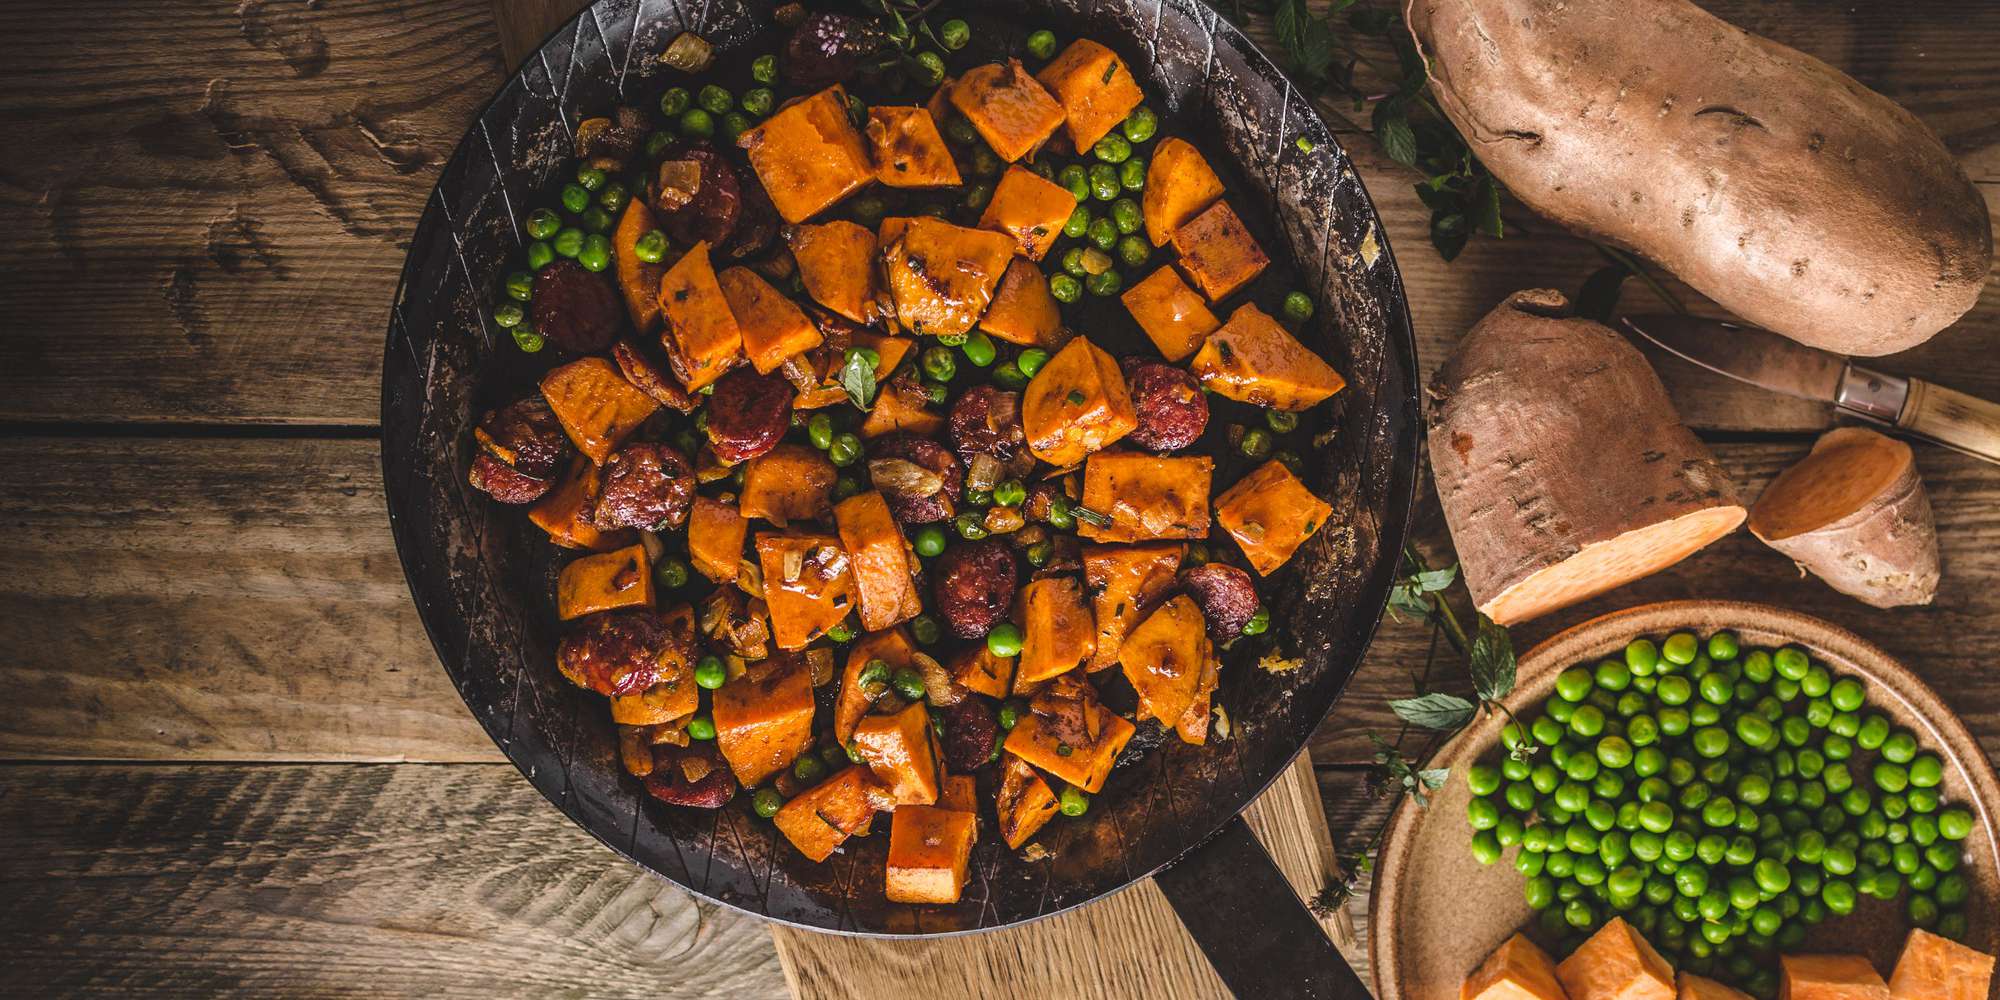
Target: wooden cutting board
1129, 944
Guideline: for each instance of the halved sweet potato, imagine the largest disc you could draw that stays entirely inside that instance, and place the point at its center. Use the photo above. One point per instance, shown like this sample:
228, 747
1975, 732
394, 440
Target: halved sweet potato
1218, 254
716, 532
1270, 514
902, 752
1173, 315
638, 281
701, 335
1253, 359
1179, 185
818, 819
1023, 311
894, 649
1056, 628
1025, 802
941, 277
1084, 766
1030, 208
930, 850
837, 265
1008, 108
809, 155
909, 152
807, 586
1147, 497
880, 558
621, 578
564, 512
1164, 658
773, 329
763, 722
1076, 404
598, 409
791, 482
1126, 583
976, 669
1095, 87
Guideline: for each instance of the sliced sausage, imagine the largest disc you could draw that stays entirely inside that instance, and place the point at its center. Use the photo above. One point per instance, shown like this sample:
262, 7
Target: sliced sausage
670, 781
576, 310
748, 414
1168, 401
828, 48
505, 483
698, 194
974, 586
987, 421
1227, 595
970, 735
917, 476
646, 485
757, 222
617, 652
526, 436
652, 378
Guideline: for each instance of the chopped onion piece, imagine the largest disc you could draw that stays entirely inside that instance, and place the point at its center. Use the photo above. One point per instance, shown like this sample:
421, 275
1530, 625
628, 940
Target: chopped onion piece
689, 53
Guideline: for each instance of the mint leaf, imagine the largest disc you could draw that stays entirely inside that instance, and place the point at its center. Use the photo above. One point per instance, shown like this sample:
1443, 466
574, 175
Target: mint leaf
857, 376
1439, 711
1434, 777
1491, 661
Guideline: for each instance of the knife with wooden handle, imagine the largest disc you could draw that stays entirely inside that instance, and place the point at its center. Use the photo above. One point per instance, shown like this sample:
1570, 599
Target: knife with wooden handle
1769, 361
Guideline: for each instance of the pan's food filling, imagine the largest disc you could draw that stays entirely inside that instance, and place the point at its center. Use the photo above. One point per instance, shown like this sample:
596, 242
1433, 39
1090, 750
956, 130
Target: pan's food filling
860, 523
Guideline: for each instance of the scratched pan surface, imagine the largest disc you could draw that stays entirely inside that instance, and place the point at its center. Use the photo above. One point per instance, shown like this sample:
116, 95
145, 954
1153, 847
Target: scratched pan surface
482, 576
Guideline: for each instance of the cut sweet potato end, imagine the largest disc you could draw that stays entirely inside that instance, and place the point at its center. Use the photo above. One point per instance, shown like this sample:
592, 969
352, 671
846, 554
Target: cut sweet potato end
1613, 562
1840, 477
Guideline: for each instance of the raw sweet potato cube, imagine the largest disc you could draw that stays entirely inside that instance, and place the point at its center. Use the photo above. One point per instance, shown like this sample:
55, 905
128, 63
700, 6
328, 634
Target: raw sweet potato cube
791, 482
1147, 497
1056, 628
1179, 184
979, 671
763, 721
1936, 968
807, 586
716, 532
1270, 514
621, 578
837, 265
1616, 964
941, 277
809, 155
1023, 311
773, 329
1695, 987
1126, 583
1164, 657
1095, 87
1076, 404
1025, 802
909, 152
894, 649
638, 281
1826, 977
818, 819
701, 335
958, 794
1086, 767
930, 850
1517, 970
1171, 313
880, 558
1218, 254
597, 407
901, 405
902, 752
564, 512
1007, 107
1252, 359
1030, 208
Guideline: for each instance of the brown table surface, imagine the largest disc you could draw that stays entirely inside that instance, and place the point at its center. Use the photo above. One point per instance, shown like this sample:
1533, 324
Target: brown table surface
231, 760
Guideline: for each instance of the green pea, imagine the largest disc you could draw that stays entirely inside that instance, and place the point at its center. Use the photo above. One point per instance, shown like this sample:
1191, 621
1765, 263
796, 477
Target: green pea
977, 195
843, 487
1113, 148
939, 363
1005, 640
844, 450
954, 34
1075, 801
766, 802
701, 727
1520, 795
970, 525
1791, 663
1817, 682
1923, 911
1104, 284
1132, 174
1587, 721
1757, 666
1076, 226
677, 100
542, 224
1133, 250
1926, 771
1042, 44
1722, 646
540, 253
1125, 216
1539, 891
1104, 182
1954, 823
507, 315
1141, 124
697, 123
650, 247
575, 198
1031, 361
527, 340
1103, 233
1680, 648
596, 253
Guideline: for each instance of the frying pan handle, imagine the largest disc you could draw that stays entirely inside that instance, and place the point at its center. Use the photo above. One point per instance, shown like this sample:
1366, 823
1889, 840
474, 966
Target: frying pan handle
1260, 937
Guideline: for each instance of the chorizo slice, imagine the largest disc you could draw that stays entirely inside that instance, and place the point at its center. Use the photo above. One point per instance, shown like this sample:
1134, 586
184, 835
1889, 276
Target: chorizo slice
1168, 402
646, 485
748, 414
616, 652
694, 775
828, 48
970, 734
576, 310
974, 585
1227, 597
526, 436
652, 378
698, 194
917, 476
505, 483
987, 421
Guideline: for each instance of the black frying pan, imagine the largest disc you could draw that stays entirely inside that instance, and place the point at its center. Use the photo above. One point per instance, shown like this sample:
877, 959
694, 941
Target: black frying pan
482, 576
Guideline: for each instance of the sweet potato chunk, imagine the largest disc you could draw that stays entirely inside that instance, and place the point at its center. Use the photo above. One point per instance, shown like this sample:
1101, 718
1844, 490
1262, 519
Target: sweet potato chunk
1147, 497
958, 792
1252, 359
807, 586
1007, 107
941, 277
791, 482
1164, 657
1126, 583
1076, 404
1270, 514
1095, 87
930, 850
564, 512
1056, 628
895, 650
903, 753
1030, 208
809, 155
818, 819
657, 705
1693, 987
1025, 802
773, 329
880, 558
1218, 254
837, 265
1023, 312
763, 722
716, 532
1517, 970
1179, 185
701, 336
976, 669
598, 409
909, 152
621, 578
1084, 766
1192, 726
1616, 964
901, 406
1173, 316
1936, 968
1820, 977
638, 281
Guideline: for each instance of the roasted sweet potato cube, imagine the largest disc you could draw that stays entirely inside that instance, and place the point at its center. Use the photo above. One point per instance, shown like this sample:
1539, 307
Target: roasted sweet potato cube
763, 722
1126, 583
791, 482
597, 407
1164, 658
1618, 964
901, 406
1076, 404
1056, 628
976, 669
1270, 514
930, 850
909, 152
1086, 767
1023, 311
880, 558
895, 650
958, 792
1025, 802
807, 585
564, 512
773, 329
1008, 108
809, 155
716, 532
889, 351
1253, 359
701, 335
1030, 208
1174, 317
818, 819
1517, 970
1147, 497
902, 752
1936, 968
1179, 185
941, 277
621, 578
1218, 254
1095, 87
638, 281
837, 265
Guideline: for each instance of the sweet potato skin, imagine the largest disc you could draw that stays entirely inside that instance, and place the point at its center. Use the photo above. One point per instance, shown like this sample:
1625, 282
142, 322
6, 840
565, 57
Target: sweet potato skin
1882, 551
1769, 181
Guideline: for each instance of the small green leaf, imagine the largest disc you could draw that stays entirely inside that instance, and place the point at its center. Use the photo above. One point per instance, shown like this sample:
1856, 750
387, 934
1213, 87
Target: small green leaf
1448, 234
1437, 710
1393, 131
1491, 661
1486, 199
857, 376
1434, 777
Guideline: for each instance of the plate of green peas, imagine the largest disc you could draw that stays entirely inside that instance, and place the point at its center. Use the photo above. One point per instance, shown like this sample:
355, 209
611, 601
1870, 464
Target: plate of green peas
1734, 780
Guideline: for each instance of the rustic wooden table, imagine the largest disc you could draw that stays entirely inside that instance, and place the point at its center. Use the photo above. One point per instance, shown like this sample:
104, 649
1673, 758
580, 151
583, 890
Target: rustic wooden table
232, 762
